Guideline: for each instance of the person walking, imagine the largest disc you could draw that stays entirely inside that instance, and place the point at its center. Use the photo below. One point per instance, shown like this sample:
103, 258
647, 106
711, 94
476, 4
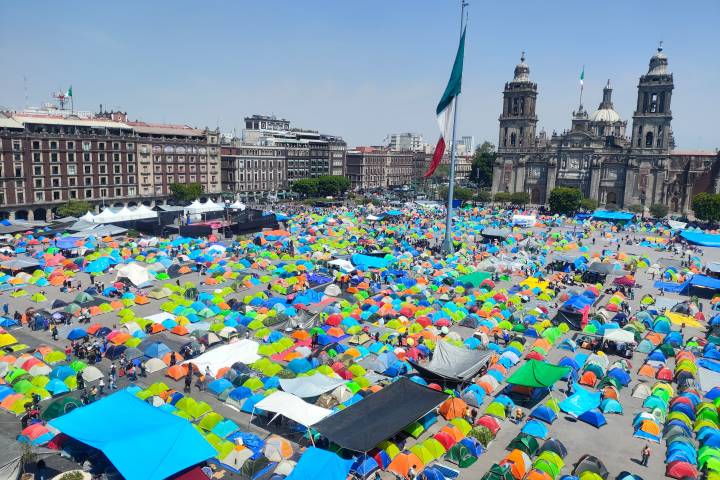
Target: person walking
54, 332
645, 455
101, 386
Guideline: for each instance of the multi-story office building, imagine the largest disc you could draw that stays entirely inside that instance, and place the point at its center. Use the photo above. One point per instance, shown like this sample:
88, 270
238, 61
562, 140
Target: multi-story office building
253, 171
404, 141
50, 157
377, 167
309, 153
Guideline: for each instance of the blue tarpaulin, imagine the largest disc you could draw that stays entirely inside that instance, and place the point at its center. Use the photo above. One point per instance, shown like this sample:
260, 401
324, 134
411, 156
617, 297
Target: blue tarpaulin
700, 238
612, 216
705, 281
67, 242
368, 261
580, 402
141, 441
317, 464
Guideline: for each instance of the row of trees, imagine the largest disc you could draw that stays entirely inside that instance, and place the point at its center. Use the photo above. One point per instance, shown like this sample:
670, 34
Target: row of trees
707, 206
324, 186
565, 200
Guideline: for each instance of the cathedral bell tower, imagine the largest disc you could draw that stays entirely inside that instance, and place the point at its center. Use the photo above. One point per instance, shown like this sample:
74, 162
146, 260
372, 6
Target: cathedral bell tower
517, 131
518, 119
652, 132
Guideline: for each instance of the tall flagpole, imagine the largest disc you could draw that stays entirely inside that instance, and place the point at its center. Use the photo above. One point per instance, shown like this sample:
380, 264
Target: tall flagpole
447, 246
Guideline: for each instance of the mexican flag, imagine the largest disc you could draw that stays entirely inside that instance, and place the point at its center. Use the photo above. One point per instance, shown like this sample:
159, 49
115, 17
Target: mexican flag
582, 77
446, 108
69, 92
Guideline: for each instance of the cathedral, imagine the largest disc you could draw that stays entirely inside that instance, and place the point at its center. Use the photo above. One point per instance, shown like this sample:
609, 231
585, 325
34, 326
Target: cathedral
598, 155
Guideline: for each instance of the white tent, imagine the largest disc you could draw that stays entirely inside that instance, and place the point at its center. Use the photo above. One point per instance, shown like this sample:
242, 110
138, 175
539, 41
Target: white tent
292, 407
197, 207
312, 386
238, 206
524, 220
244, 351
136, 273
343, 265
88, 217
619, 335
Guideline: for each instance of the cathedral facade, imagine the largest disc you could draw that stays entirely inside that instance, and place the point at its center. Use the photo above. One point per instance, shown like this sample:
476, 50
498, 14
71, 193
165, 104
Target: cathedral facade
598, 155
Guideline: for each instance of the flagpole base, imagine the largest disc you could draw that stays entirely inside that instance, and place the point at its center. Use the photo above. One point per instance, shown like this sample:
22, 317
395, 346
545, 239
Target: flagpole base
447, 246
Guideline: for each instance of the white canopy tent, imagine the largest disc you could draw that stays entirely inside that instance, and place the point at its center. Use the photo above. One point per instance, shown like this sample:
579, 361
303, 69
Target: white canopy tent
244, 351
196, 207
524, 220
292, 407
238, 206
124, 214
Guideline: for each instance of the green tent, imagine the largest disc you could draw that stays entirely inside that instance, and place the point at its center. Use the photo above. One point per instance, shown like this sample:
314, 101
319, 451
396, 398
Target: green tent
497, 472
474, 279
537, 374
525, 442
60, 407
460, 455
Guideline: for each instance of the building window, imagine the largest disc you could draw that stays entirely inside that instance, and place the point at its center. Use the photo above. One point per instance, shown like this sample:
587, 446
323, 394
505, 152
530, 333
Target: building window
87, 169
53, 145
56, 195
54, 157
88, 181
116, 146
70, 145
56, 182
101, 157
39, 196
118, 180
36, 145
116, 168
37, 157
73, 194
131, 168
86, 146
38, 183
103, 181
130, 157
88, 193
116, 157
55, 170
649, 139
37, 170
72, 181
71, 157
103, 192
118, 191
103, 169
86, 157
101, 145
131, 179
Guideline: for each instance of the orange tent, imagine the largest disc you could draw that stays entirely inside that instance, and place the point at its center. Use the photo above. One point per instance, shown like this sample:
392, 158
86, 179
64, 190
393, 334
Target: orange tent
588, 378
402, 463
453, 431
538, 475
648, 426
453, 407
157, 327
184, 269
93, 328
120, 338
179, 330
166, 358
646, 371
610, 392
176, 372
141, 300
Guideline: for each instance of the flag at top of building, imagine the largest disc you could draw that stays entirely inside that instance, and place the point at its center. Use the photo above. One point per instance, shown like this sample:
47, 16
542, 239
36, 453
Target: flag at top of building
446, 108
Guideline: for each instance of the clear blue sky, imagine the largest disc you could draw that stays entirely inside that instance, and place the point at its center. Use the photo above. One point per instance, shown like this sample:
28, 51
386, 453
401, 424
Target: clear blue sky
360, 68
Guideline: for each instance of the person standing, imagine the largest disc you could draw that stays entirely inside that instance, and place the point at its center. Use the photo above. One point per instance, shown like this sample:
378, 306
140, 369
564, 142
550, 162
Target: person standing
645, 454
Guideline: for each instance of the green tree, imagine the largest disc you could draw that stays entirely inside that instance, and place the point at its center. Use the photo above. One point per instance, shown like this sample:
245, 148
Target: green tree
74, 208
707, 206
520, 198
332, 185
186, 192
658, 210
305, 187
442, 172
502, 197
636, 208
483, 196
564, 200
459, 193
588, 204
482, 164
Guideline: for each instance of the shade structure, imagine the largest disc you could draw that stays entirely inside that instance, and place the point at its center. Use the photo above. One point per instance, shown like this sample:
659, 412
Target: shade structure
381, 415
452, 363
537, 374
134, 430
292, 407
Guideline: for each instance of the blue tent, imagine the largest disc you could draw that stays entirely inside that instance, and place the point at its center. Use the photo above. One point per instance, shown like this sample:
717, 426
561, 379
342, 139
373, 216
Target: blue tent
133, 429
620, 375
368, 261
317, 464
220, 385
364, 466
544, 413
156, 350
535, 428
594, 417
76, 334
610, 405
609, 216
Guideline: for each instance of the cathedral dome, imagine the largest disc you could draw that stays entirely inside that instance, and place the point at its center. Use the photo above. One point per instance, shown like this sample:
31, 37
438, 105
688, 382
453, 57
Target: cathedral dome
605, 115
522, 71
658, 63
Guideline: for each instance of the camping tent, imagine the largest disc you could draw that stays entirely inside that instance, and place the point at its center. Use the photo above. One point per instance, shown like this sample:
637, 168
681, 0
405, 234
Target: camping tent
317, 464
135, 273
130, 425
312, 386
